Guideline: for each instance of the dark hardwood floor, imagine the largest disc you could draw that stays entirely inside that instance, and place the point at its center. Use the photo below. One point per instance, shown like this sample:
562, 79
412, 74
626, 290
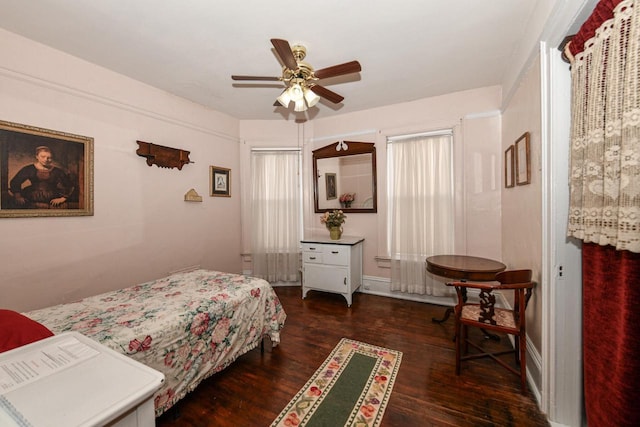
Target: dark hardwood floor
255, 388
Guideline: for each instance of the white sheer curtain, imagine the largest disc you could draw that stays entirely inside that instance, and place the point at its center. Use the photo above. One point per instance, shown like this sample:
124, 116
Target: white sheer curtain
421, 208
275, 197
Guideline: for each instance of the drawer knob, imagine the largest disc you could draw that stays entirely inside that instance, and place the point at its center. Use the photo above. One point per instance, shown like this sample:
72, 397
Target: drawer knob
312, 257
335, 252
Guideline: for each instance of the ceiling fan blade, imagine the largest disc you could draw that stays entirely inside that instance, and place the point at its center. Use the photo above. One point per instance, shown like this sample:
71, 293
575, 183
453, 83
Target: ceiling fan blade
255, 78
339, 70
285, 53
327, 94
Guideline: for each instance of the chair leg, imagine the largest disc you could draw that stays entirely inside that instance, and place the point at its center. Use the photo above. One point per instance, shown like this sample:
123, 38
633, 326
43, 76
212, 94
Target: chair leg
517, 348
465, 333
458, 345
523, 363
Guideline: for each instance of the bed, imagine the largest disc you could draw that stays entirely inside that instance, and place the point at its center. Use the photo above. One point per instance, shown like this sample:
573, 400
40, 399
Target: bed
187, 325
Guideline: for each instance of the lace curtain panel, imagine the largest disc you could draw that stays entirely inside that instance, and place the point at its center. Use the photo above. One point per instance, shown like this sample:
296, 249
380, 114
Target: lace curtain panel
421, 210
604, 208
605, 130
275, 228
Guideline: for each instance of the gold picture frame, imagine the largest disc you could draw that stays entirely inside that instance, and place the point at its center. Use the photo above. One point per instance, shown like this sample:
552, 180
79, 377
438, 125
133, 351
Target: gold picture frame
219, 181
44, 172
523, 159
509, 162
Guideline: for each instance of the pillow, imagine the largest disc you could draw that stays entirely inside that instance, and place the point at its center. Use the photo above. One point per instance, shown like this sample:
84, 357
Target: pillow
17, 330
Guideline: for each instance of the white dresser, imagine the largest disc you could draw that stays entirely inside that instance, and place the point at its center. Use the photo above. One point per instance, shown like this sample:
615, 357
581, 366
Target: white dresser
332, 265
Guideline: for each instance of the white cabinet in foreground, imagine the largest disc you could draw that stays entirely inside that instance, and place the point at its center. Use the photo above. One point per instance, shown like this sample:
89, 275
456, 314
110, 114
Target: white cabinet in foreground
70, 380
332, 265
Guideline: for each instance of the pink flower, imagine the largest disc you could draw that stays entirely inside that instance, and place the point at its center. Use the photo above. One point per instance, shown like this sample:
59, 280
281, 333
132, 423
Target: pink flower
221, 330
200, 323
314, 391
87, 324
368, 410
169, 359
164, 399
380, 379
144, 345
292, 420
348, 197
333, 219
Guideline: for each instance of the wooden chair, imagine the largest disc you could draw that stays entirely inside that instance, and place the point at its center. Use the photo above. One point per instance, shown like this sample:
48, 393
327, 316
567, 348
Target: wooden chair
486, 315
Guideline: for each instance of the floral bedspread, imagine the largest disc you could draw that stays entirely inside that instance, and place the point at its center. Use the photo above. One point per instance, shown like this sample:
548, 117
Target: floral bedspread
187, 326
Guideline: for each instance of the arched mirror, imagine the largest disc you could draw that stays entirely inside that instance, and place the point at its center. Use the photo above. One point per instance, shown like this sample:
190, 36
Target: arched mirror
345, 177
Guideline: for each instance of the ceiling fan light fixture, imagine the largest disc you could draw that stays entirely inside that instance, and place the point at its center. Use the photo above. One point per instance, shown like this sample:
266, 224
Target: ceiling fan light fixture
311, 97
295, 92
284, 98
300, 105
299, 78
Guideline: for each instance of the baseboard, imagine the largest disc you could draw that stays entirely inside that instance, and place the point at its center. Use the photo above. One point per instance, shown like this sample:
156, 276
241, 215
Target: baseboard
381, 286
284, 284
274, 284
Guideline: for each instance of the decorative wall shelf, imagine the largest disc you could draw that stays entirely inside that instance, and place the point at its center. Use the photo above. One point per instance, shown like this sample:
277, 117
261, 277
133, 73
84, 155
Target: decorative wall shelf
163, 157
192, 196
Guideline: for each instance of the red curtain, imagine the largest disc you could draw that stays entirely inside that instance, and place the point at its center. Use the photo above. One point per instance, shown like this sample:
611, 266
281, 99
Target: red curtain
602, 12
611, 308
611, 335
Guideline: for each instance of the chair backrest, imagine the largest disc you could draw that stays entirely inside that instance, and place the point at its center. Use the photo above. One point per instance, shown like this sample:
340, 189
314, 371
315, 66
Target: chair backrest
521, 296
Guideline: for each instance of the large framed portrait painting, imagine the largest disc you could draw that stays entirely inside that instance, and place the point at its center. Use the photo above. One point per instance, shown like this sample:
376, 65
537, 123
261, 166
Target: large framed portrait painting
44, 172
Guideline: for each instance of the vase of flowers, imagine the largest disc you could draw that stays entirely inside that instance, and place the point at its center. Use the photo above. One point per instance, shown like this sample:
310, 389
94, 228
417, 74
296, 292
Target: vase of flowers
346, 199
333, 221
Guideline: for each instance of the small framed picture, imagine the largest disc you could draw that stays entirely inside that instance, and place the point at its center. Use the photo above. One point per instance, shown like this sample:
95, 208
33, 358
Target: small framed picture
508, 167
523, 160
331, 186
219, 181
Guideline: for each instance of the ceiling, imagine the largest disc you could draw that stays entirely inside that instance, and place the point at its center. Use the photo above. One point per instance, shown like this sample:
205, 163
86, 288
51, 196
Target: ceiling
408, 49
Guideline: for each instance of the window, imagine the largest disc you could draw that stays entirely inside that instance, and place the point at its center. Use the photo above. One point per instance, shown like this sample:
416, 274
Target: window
420, 204
276, 214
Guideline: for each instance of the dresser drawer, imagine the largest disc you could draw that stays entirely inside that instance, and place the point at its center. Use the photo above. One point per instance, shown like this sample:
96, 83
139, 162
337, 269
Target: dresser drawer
312, 247
336, 254
312, 257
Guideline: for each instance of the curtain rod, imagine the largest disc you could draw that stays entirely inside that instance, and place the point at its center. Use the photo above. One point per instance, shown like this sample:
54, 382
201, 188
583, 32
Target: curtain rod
277, 149
415, 135
563, 48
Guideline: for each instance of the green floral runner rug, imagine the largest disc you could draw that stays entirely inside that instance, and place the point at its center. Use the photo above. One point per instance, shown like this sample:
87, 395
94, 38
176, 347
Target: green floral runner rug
351, 388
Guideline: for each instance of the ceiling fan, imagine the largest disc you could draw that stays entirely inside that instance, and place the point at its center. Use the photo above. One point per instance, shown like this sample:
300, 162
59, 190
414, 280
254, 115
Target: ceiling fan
300, 78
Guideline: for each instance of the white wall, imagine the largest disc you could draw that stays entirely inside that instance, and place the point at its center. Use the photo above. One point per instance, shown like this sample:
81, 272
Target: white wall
474, 116
522, 205
142, 228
